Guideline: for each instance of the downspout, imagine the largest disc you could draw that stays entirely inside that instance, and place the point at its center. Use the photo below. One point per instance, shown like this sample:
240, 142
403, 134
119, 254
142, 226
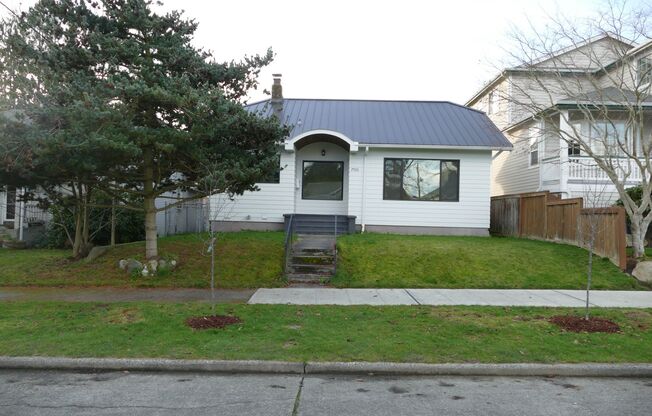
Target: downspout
364, 188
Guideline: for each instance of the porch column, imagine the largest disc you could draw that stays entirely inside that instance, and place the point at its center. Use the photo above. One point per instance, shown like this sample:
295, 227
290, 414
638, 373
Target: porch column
564, 126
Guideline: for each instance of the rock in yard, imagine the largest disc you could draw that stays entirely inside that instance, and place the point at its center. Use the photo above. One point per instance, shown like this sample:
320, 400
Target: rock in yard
162, 264
133, 265
122, 264
643, 271
145, 272
97, 252
153, 265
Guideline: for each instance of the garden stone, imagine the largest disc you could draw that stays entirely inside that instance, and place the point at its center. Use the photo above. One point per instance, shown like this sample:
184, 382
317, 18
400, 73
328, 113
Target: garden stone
145, 272
173, 264
97, 252
153, 265
162, 264
643, 271
122, 264
133, 265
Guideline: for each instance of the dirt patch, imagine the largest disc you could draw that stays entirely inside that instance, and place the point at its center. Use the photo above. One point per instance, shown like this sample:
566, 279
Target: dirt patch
212, 321
122, 316
579, 324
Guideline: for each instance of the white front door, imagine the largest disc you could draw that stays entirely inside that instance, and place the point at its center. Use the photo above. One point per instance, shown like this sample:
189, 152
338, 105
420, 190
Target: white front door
322, 179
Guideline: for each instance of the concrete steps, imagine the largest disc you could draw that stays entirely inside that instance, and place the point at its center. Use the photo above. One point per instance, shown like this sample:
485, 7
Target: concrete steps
312, 259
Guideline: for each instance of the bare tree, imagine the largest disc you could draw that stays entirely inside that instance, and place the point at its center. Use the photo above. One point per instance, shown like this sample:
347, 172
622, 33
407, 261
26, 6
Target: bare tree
586, 86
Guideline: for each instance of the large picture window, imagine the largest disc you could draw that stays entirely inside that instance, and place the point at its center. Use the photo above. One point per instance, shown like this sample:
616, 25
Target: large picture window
322, 180
421, 180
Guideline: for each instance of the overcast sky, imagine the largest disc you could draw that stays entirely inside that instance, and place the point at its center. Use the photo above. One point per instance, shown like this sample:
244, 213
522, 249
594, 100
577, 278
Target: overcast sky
406, 49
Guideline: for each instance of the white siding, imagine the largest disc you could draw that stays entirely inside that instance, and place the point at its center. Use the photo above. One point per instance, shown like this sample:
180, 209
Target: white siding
510, 171
472, 210
266, 205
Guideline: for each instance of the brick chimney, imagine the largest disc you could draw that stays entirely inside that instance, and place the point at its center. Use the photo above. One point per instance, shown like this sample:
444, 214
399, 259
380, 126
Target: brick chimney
277, 96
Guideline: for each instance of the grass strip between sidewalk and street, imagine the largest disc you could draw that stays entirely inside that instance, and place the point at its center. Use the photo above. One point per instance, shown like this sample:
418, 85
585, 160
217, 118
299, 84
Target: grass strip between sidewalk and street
319, 333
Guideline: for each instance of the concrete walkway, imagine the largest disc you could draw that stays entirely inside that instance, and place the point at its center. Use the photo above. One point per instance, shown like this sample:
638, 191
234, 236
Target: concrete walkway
110, 294
434, 297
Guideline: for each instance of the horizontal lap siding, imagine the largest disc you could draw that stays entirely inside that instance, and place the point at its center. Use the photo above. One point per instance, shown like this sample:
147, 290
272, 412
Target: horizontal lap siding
511, 173
267, 205
472, 210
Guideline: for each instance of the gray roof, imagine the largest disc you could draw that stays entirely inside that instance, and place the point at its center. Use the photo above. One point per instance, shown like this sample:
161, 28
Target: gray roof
430, 123
607, 96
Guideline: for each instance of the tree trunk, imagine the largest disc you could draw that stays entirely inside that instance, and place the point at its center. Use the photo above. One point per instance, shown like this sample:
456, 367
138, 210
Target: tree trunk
76, 245
151, 246
638, 236
113, 202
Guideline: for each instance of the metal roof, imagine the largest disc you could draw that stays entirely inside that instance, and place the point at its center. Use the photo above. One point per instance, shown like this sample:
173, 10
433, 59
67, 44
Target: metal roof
425, 123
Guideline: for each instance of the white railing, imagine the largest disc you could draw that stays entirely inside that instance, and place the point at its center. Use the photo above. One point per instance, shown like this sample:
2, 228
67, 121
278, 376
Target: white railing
586, 169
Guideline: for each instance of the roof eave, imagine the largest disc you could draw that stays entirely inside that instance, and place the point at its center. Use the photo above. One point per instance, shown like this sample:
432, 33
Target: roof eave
432, 146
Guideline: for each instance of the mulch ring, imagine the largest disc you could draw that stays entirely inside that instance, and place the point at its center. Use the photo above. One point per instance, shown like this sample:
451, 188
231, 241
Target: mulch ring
579, 324
212, 321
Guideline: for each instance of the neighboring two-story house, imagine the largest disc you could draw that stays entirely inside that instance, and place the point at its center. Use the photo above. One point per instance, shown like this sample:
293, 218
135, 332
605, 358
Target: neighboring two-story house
571, 91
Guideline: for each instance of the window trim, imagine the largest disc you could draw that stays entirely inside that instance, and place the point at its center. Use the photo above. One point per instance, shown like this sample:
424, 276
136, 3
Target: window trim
459, 170
303, 169
648, 74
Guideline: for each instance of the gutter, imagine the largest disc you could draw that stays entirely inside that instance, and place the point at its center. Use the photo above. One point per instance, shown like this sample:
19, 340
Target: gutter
435, 147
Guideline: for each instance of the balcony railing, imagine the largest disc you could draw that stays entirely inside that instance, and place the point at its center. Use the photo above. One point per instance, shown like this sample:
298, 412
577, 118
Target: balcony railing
586, 169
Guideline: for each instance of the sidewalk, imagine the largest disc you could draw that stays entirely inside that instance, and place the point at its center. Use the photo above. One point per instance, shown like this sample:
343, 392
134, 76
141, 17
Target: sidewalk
109, 294
434, 297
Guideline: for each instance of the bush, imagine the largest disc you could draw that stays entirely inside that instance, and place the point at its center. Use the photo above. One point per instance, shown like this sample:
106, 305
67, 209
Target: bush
129, 225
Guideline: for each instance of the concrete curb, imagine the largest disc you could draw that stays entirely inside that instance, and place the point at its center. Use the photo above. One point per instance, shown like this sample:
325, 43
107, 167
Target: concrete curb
150, 364
514, 370
348, 368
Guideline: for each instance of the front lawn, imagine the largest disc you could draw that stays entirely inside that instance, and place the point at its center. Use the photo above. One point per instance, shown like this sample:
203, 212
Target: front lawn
385, 260
243, 260
321, 333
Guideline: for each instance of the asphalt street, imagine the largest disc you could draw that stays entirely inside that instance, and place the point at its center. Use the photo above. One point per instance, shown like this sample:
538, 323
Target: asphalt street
123, 393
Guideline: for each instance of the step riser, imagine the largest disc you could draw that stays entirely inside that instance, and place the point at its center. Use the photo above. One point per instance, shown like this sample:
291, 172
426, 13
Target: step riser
324, 261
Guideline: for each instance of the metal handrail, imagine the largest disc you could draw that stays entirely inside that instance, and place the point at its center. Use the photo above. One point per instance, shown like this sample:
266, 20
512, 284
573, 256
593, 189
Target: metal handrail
335, 245
288, 243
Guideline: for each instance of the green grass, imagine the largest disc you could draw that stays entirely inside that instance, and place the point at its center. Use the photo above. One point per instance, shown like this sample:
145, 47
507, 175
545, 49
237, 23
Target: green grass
243, 260
384, 260
324, 333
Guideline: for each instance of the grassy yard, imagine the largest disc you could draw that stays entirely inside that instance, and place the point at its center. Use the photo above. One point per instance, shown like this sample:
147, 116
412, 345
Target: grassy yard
384, 260
244, 260
324, 333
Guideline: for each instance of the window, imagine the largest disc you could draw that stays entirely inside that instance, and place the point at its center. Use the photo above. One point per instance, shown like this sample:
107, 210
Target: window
534, 145
322, 180
574, 149
421, 180
644, 71
275, 175
607, 138
10, 208
493, 103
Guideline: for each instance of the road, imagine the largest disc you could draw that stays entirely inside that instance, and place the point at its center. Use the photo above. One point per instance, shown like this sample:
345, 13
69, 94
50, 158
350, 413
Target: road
123, 393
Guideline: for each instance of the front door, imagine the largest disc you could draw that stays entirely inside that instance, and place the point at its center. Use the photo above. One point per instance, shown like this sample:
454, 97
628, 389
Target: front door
322, 179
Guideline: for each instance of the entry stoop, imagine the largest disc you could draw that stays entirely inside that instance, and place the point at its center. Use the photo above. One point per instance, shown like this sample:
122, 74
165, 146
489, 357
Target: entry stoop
313, 259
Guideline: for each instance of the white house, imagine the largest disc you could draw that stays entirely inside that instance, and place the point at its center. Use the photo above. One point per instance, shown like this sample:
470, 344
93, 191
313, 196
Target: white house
605, 73
387, 166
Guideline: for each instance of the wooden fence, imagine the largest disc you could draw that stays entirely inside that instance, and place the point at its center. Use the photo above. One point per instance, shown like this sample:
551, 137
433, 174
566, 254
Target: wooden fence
545, 216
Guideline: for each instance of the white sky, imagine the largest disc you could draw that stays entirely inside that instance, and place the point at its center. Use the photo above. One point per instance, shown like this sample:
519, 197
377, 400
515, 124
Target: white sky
408, 49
